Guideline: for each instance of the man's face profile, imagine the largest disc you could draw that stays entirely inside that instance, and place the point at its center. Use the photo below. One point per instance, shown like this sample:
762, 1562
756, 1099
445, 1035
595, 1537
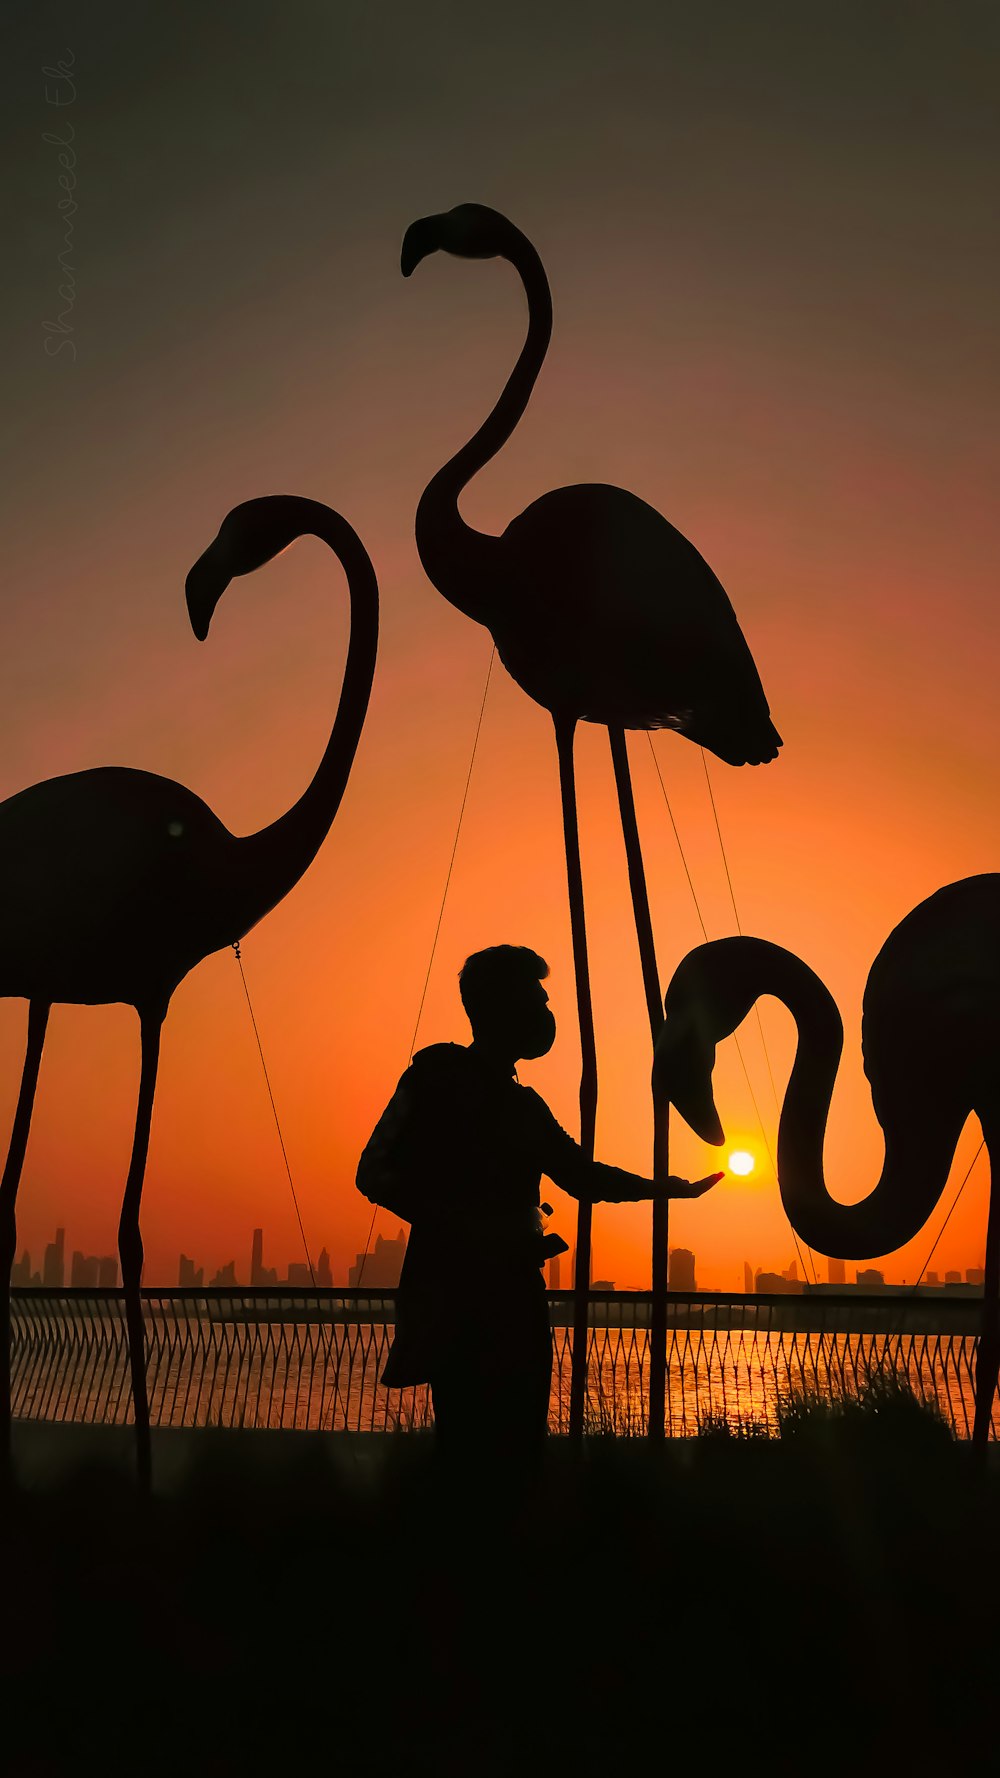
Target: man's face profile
533, 1025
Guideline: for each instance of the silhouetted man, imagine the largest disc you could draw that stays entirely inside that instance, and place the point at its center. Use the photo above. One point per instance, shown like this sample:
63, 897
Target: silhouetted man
459, 1153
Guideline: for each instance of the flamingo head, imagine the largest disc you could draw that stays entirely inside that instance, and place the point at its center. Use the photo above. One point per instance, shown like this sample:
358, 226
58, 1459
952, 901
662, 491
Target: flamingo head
471, 231
249, 536
709, 995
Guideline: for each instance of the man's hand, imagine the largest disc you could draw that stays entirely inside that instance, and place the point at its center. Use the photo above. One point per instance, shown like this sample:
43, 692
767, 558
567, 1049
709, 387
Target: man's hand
689, 1188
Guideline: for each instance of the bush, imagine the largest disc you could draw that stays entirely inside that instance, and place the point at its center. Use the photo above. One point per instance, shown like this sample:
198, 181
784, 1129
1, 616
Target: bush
885, 1412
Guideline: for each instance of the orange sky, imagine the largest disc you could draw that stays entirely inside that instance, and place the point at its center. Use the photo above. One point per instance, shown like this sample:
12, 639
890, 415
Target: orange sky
772, 321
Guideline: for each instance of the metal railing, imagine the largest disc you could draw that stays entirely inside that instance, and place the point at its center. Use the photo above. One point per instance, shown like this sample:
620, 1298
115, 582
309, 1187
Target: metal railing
310, 1359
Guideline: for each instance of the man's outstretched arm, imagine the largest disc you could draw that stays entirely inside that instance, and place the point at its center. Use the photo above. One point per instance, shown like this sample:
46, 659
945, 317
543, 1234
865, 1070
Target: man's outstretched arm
564, 1162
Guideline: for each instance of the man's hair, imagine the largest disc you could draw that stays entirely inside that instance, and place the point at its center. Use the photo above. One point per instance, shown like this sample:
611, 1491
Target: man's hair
486, 978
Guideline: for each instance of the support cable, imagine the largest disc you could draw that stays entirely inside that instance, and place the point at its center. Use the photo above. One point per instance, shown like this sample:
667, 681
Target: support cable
767, 1058
736, 917
437, 929
701, 922
277, 1122
760, 1026
288, 1170
947, 1219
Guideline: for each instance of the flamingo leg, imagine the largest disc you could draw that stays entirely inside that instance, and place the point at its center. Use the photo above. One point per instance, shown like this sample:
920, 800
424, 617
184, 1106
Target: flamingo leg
988, 1351
130, 1240
565, 730
661, 1108
38, 1015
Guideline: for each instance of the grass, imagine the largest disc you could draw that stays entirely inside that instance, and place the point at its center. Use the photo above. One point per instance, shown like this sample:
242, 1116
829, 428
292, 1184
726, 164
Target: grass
290, 1602
882, 1413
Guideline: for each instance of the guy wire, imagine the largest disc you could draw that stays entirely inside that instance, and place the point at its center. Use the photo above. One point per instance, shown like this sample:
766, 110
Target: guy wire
437, 929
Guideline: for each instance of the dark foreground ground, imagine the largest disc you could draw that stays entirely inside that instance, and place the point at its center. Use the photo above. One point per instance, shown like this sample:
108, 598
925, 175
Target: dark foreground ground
292, 1603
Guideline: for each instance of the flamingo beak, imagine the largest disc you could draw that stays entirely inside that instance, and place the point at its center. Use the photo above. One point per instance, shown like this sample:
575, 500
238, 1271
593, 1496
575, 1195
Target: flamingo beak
203, 588
682, 1074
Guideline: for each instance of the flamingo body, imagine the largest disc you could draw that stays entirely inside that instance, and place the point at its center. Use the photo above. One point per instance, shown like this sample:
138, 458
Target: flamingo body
601, 610
931, 1015
608, 613
108, 886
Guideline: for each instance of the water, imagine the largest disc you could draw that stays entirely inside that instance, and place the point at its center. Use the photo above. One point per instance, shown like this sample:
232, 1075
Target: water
230, 1367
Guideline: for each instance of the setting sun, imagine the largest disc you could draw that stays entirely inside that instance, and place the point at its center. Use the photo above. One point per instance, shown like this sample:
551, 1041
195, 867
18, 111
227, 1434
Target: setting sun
741, 1162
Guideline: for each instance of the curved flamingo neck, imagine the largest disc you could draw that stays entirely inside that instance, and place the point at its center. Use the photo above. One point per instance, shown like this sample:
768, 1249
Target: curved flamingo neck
920, 1135
272, 861
457, 558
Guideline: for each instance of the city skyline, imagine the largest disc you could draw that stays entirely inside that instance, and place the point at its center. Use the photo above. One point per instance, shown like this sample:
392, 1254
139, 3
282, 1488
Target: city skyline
379, 1267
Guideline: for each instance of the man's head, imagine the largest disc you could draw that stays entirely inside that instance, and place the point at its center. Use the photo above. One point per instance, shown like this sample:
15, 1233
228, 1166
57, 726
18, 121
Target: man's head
508, 1008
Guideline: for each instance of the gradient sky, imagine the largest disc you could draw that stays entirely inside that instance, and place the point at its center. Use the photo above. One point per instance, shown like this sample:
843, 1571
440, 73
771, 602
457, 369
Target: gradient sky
769, 233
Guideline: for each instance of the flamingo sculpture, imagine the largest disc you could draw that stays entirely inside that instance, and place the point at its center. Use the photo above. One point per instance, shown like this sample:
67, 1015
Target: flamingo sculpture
931, 1044
602, 612
117, 882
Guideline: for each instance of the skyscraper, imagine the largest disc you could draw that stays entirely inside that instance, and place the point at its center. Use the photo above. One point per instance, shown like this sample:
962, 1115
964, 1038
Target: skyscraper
262, 1277
54, 1264
836, 1271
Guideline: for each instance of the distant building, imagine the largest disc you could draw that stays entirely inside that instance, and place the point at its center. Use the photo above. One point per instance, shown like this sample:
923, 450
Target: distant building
871, 1279
974, 1275
836, 1271
680, 1269
188, 1277
83, 1271
932, 1280
953, 1277
792, 1274
298, 1274
262, 1277
225, 1278
777, 1284
747, 1278
54, 1263
380, 1268
555, 1272
107, 1272
324, 1275
20, 1271
602, 1284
